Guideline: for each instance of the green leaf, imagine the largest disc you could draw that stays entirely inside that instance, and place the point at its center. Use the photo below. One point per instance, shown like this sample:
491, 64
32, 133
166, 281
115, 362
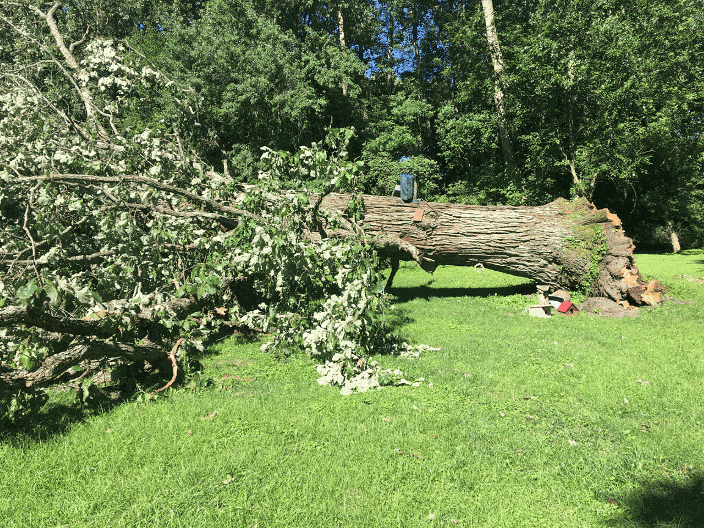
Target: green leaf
84, 295
26, 292
52, 292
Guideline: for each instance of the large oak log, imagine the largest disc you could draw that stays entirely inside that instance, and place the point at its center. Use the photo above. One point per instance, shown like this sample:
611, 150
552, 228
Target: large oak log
564, 244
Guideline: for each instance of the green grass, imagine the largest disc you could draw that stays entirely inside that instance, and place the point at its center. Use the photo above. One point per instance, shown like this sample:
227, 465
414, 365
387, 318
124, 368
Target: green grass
564, 422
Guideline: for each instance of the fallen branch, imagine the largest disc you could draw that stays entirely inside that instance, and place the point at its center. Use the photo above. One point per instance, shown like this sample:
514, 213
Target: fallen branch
39, 318
174, 365
143, 180
55, 365
223, 219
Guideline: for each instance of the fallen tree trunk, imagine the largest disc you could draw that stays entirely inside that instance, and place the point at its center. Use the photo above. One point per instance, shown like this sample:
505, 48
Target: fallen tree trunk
565, 245
568, 245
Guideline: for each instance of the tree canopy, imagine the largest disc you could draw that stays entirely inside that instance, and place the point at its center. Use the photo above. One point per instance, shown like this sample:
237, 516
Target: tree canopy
601, 100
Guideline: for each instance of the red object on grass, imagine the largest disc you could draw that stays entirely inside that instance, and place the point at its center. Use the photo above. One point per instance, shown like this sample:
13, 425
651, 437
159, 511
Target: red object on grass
567, 308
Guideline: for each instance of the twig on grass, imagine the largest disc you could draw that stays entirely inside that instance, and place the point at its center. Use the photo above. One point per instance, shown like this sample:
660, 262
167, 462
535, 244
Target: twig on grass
172, 356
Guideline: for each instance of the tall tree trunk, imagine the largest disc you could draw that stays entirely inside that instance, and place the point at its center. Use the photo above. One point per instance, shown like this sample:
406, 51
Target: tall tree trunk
673, 238
424, 125
413, 13
570, 109
562, 244
390, 57
341, 27
499, 85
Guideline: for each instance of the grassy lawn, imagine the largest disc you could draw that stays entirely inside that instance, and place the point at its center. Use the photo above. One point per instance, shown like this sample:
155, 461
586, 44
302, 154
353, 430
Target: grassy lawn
573, 421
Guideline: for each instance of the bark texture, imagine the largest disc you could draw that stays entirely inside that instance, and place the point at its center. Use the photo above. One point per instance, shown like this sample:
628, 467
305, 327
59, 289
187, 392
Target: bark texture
674, 239
499, 84
343, 45
562, 244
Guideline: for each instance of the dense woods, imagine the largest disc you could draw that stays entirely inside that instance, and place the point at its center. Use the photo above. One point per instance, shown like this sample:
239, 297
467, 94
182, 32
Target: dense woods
595, 99
157, 160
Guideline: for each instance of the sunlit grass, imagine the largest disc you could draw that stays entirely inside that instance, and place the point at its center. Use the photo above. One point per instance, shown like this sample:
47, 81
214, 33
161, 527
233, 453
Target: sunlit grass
582, 421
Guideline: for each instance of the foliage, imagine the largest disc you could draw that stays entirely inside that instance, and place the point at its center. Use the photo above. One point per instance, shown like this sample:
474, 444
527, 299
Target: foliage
95, 233
263, 76
118, 239
328, 296
602, 102
126, 131
588, 243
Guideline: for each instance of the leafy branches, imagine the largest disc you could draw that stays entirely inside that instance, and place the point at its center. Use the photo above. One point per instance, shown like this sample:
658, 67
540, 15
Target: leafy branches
119, 243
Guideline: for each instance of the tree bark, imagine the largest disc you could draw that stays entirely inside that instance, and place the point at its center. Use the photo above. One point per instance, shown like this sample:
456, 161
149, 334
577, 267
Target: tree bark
83, 92
390, 58
566, 245
674, 239
570, 105
343, 45
55, 365
499, 85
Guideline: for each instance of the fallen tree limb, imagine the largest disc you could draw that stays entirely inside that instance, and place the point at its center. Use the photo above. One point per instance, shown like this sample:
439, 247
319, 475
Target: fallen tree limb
96, 337
563, 244
174, 365
142, 180
55, 365
24, 315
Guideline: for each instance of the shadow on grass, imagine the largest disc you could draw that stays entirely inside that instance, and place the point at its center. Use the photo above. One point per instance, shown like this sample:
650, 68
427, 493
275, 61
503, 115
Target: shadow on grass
397, 319
404, 295
63, 409
54, 419
666, 503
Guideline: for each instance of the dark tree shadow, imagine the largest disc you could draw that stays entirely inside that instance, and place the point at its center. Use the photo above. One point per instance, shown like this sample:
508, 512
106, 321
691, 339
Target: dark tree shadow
397, 319
66, 405
403, 294
54, 419
666, 503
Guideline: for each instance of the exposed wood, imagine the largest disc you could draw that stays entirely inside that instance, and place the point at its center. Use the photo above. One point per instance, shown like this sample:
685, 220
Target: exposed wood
174, 366
561, 244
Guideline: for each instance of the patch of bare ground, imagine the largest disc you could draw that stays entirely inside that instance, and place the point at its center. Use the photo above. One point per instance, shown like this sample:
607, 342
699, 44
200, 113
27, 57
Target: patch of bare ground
603, 307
